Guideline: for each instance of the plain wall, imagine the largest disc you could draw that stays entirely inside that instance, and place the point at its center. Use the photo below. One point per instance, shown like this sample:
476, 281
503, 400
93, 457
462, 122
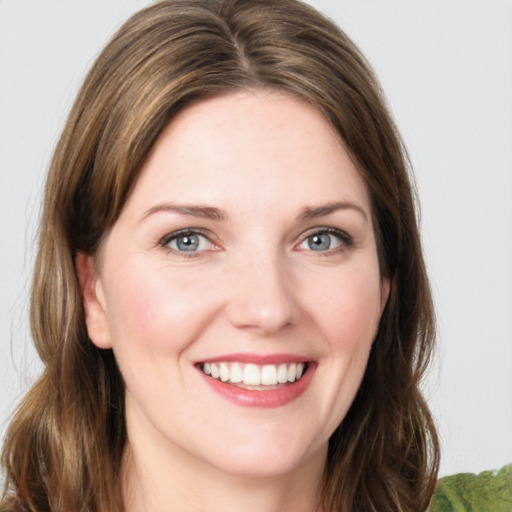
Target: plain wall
446, 67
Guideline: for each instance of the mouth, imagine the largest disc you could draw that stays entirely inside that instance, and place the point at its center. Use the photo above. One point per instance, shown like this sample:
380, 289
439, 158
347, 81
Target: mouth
255, 376
258, 381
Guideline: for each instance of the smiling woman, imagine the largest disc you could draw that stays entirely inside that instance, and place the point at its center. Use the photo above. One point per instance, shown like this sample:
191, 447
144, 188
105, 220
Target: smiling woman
229, 297
284, 288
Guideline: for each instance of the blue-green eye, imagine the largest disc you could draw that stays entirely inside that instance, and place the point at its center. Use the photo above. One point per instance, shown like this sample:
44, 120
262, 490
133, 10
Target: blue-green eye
188, 241
319, 242
324, 241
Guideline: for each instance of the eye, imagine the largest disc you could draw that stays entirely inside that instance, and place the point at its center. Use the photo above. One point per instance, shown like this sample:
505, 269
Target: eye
187, 241
325, 240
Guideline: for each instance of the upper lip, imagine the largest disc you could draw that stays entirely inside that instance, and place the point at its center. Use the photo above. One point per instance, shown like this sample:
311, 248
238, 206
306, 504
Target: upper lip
259, 359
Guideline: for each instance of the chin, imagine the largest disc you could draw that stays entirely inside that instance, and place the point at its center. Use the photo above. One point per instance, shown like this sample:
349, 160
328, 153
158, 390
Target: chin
269, 458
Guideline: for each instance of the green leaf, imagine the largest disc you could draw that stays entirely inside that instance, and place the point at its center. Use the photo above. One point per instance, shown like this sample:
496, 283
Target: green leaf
490, 491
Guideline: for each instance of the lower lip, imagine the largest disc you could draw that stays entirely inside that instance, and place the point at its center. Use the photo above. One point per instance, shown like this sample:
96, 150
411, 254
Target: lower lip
266, 399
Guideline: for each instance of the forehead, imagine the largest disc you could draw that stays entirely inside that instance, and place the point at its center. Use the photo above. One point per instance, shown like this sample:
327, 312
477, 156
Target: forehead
255, 148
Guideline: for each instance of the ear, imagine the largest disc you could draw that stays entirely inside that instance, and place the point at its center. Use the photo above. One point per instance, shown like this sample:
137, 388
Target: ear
93, 299
385, 288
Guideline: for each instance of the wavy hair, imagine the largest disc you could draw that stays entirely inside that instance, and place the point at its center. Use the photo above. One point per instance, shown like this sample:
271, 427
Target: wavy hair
64, 446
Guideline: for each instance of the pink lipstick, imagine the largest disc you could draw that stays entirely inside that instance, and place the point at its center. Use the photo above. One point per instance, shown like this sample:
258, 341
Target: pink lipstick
253, 380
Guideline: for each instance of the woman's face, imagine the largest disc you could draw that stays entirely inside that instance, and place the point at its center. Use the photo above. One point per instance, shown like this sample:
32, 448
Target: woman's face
244, 256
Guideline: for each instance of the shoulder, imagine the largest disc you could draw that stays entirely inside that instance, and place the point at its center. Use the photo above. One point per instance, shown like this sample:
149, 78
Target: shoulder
489, 491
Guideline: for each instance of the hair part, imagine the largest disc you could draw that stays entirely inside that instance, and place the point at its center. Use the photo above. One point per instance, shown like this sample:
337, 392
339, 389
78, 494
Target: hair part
64, 447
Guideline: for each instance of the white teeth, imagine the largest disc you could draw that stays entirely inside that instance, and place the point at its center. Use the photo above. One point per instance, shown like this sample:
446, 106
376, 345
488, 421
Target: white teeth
282, 374
236, 373
254, 375
214, 370
269, 375
292, 372
224, 372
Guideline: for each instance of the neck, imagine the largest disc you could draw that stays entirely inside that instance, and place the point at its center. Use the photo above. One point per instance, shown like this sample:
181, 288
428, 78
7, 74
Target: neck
154, 482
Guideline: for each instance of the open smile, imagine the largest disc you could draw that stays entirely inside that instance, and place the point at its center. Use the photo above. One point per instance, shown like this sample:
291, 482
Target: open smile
254, 376
255, 384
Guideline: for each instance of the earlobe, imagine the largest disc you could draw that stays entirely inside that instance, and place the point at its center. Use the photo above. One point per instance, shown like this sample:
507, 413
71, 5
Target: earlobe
93, 299
385, 288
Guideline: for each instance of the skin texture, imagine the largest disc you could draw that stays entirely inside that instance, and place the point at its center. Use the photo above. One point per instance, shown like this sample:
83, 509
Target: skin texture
254, 286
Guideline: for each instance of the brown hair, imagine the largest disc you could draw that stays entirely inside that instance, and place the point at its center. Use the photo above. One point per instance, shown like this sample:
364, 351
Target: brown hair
64, 446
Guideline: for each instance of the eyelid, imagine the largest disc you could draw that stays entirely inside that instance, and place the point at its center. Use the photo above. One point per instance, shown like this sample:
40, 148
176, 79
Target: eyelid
346, 240
169, 237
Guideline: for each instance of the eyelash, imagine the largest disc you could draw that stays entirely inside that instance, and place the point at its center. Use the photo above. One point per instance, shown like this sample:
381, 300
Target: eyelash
345, 240
167, 239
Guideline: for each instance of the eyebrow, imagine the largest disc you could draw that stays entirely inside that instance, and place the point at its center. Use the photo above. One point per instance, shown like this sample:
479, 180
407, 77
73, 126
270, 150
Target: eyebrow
326, 209
190, 210
212, 213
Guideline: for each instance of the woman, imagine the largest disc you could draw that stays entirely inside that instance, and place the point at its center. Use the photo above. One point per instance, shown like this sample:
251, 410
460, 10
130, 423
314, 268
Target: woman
229, 297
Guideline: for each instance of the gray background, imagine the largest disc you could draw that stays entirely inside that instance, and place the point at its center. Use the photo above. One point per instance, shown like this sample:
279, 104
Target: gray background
446, 66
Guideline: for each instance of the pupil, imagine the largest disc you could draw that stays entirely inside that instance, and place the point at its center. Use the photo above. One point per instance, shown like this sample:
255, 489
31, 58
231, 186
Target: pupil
319, 242
188, 243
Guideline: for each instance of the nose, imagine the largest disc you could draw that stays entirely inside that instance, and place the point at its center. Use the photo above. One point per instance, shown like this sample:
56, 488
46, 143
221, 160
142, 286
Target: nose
262, 296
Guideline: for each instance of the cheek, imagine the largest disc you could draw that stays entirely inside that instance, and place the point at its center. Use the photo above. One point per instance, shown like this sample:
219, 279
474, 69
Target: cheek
349, 312
158, 311
348, 318
153, 319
